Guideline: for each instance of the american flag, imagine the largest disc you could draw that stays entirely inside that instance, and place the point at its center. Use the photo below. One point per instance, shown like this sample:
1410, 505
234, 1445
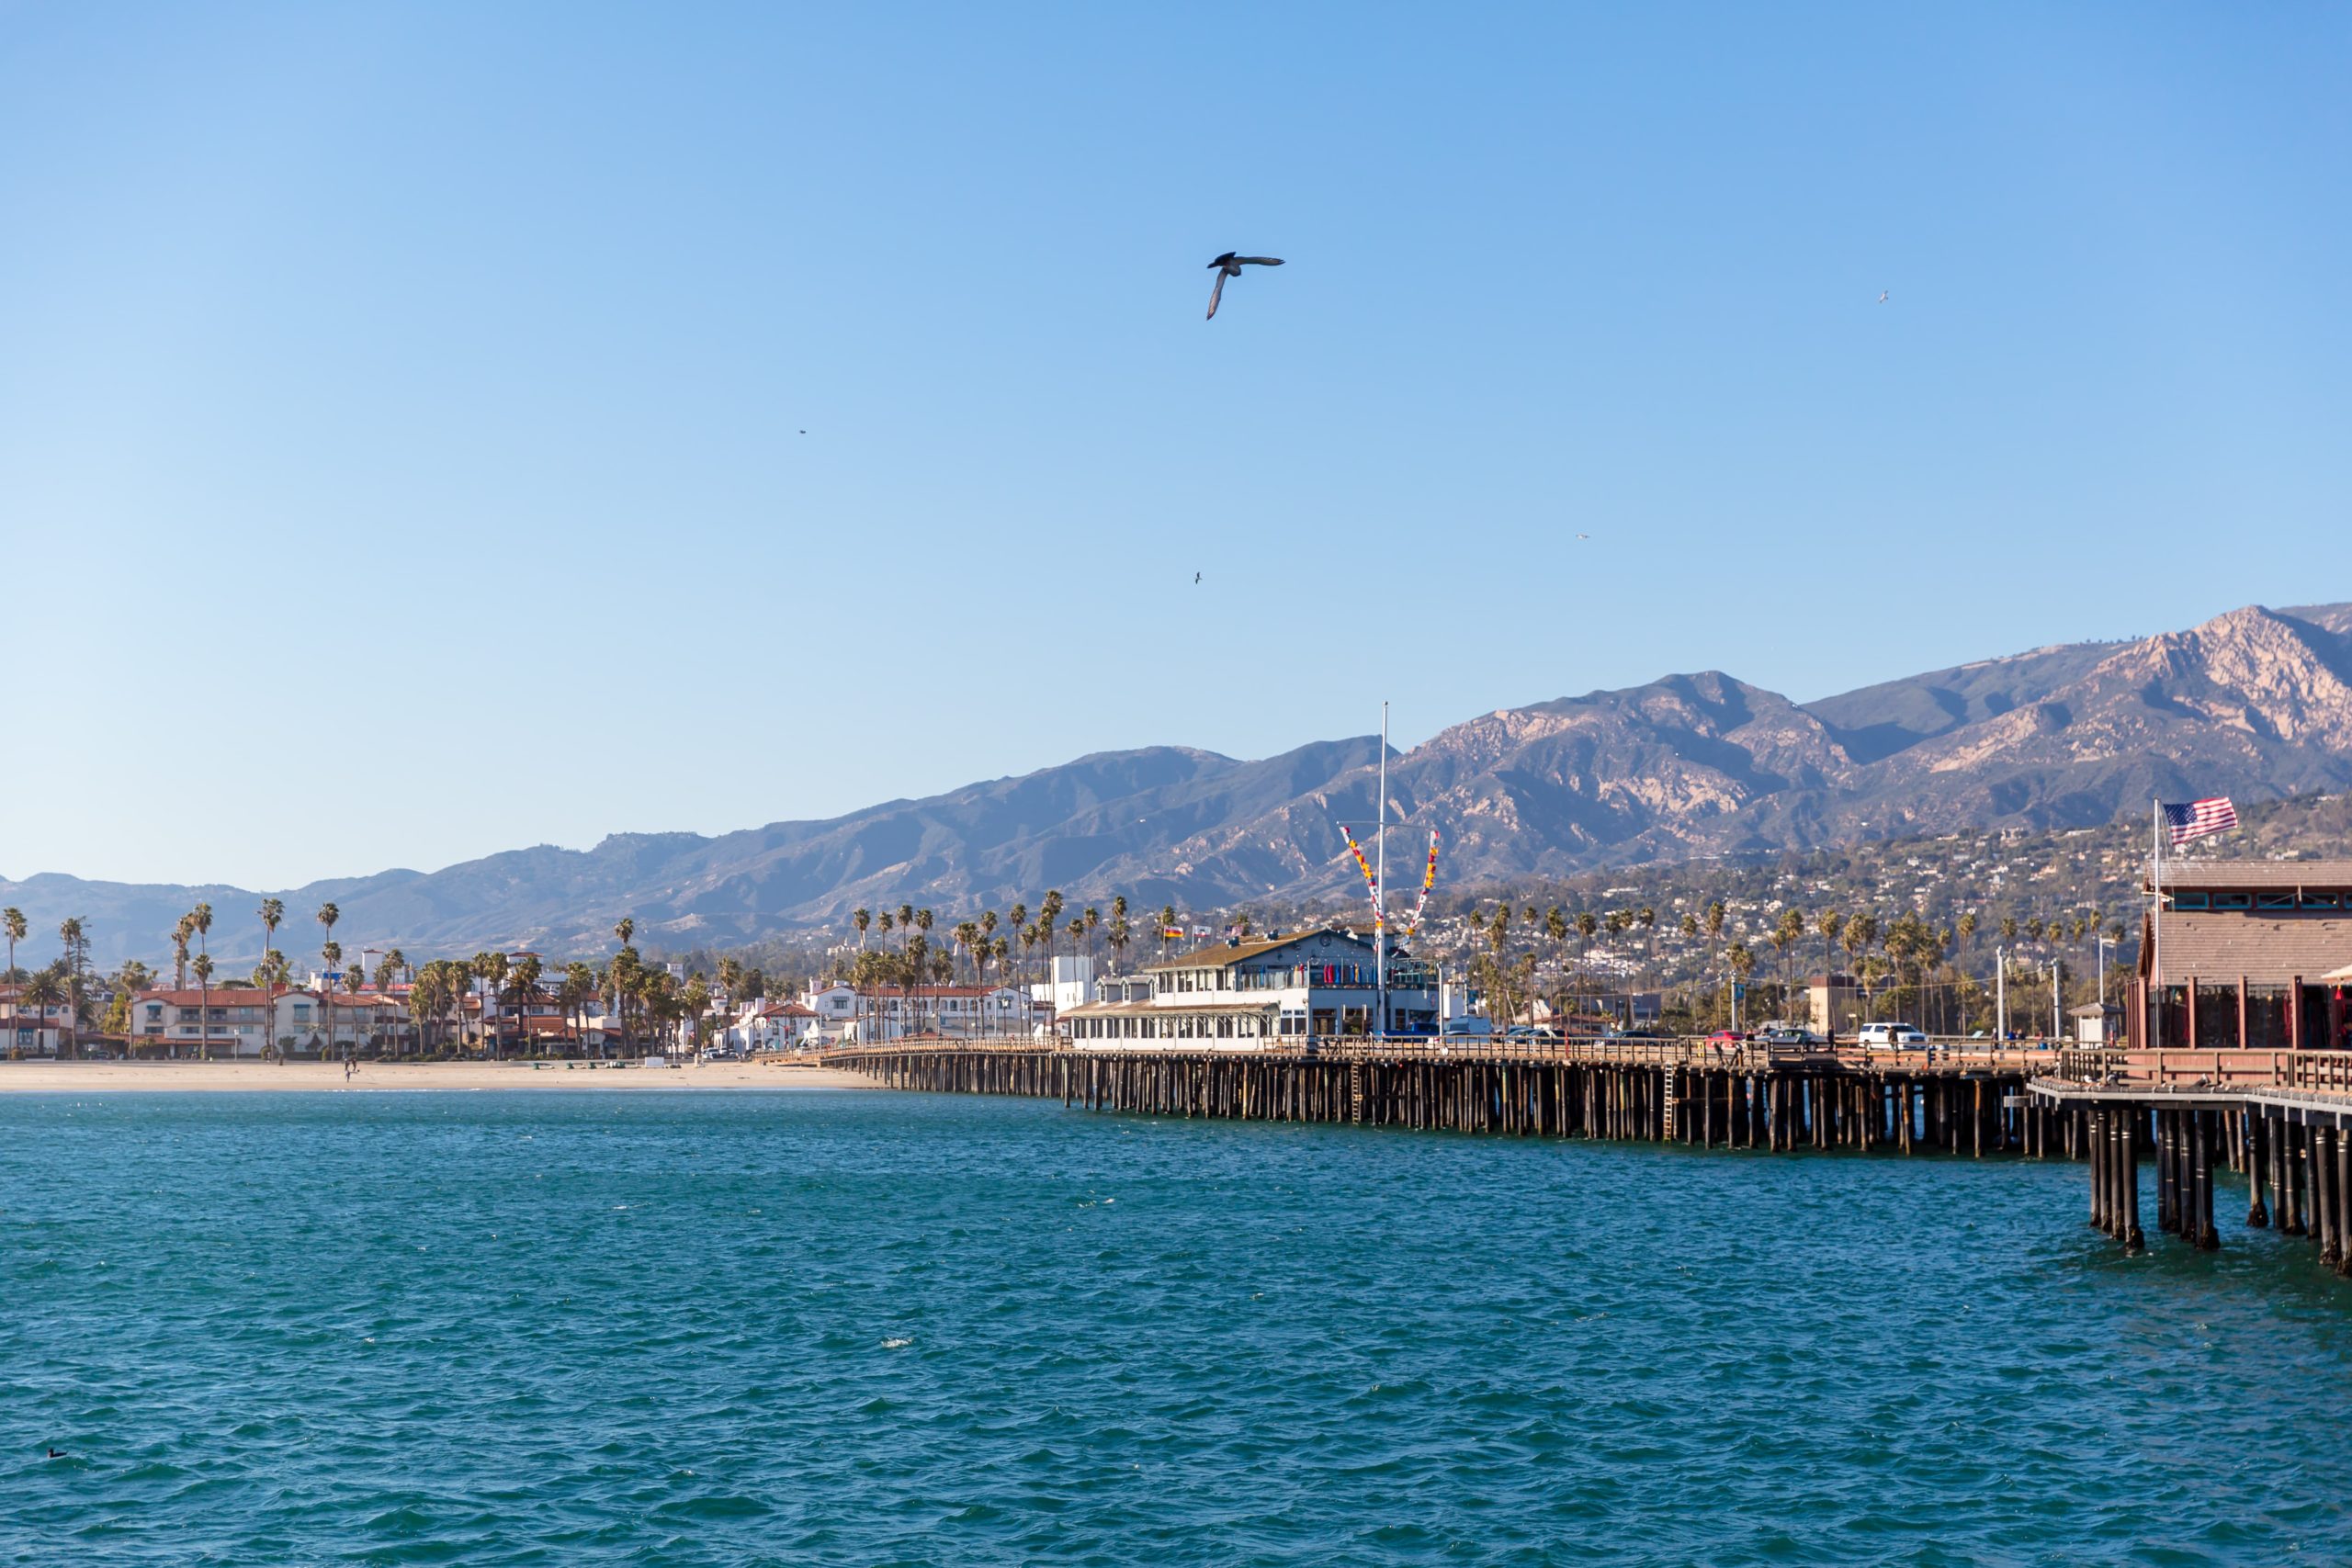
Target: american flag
2199, 818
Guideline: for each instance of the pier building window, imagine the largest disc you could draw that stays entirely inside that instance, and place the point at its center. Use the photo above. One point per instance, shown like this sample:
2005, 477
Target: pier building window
1225, 1029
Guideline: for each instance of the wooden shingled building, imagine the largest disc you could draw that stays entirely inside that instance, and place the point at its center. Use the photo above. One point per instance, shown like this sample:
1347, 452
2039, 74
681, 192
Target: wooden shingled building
2252, 954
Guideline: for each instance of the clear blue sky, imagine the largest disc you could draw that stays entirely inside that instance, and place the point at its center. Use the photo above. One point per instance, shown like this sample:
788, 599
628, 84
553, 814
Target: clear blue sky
399, 405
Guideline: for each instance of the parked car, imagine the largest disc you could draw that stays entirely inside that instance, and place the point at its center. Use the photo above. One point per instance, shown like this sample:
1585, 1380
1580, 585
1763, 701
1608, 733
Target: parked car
1891, 1037
1786, 1034
1469, 1029
1727, 1037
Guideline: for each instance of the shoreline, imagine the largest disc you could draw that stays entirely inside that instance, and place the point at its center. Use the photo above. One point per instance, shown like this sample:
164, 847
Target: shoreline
390, 1078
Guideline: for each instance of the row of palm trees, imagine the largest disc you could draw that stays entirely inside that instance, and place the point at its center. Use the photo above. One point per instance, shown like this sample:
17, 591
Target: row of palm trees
63, 983
1903, 956
987, 941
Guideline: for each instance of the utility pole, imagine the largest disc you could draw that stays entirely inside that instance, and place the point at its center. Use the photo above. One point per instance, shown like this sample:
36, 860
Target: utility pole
2057, 1026
2000, 994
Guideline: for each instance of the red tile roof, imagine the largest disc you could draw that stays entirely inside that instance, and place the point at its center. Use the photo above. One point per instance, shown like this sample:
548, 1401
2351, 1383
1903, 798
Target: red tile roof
222, 996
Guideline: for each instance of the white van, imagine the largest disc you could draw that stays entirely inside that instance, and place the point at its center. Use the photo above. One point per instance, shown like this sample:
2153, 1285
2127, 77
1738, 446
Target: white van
1891, 1037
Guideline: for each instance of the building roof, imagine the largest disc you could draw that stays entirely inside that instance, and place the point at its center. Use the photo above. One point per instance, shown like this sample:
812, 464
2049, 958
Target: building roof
222, 996
1171, 1010
1217, 954
2253, 875
2269, 948
922, 991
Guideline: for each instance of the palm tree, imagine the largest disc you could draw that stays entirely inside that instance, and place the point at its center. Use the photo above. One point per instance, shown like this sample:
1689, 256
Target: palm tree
1118, 936
1711, 922
1049, 912
182, 934
1586, 924
1743, 962
1167, 924
1093, 918
200, 920
521, 988
1861, 932
490, 968
1557, 927
129, 980
573, 996
42, 992
12, 921
203, 967
861, 918
330, 954
77, 968
327, 916
1786, 933
273, 915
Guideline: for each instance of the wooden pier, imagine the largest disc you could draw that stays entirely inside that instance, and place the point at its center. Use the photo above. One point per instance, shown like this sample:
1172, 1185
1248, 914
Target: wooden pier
2282, 1119
1655, 1091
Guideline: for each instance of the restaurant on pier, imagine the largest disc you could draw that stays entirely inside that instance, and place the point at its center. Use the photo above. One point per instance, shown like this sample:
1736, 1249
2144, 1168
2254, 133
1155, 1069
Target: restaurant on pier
2254, 954
1240, 992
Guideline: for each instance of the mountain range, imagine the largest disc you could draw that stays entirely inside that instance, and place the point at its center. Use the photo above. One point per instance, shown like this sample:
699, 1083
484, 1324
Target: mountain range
2255, 703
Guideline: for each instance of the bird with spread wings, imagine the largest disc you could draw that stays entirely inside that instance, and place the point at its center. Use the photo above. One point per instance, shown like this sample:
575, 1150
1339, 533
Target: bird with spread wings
1230, 266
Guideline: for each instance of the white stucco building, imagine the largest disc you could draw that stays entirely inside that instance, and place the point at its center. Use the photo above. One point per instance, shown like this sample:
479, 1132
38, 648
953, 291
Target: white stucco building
1241, 994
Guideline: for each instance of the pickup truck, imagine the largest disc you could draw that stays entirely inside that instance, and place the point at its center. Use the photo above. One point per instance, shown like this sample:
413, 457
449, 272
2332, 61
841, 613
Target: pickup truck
1891, 1037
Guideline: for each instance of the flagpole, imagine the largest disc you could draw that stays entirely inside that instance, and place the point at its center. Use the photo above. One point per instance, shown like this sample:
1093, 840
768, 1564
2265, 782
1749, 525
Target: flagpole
1380, 894
2156, 924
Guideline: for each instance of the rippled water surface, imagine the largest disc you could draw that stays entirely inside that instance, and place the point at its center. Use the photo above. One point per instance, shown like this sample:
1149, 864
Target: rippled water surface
867, 1328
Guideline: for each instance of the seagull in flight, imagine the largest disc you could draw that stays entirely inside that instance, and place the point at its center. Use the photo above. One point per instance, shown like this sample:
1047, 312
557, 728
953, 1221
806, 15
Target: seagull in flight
1196, 580
1584, 536
1230, 266
1882, 296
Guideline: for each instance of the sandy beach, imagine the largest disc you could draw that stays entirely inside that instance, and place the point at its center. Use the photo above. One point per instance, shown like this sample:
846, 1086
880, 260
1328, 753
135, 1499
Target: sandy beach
181, 1077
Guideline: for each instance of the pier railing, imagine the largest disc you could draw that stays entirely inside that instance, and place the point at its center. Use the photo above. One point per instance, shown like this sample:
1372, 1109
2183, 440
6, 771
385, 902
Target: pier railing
2224, 1068
1679, 1051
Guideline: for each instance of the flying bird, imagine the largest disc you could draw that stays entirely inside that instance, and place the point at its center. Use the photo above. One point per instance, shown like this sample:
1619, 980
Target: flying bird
1882, 296
1584, 536
1230, 266
1196, 578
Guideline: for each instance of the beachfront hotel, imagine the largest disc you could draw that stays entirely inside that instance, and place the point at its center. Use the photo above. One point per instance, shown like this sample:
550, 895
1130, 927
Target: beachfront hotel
1240, 993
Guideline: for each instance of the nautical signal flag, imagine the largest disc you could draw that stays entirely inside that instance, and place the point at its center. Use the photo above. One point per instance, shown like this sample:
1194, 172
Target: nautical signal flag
2198, 819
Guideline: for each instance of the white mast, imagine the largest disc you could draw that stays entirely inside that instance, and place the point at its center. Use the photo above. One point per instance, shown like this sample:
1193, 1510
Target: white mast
1380, 894
2155, 995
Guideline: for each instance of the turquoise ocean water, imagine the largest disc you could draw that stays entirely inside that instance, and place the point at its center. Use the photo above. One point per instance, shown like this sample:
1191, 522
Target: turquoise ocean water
868, 1329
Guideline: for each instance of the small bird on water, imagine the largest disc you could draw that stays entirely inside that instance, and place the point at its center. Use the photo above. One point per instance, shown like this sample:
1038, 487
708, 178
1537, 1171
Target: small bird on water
1230, 266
